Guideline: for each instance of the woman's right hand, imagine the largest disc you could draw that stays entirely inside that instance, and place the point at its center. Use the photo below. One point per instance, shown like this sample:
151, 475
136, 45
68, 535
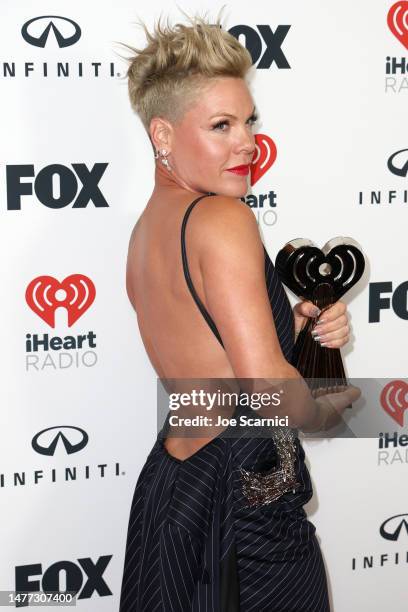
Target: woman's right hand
306, 410
331, 407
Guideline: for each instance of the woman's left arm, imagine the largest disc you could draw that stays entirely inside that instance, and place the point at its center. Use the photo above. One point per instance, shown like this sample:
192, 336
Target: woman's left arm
332, 327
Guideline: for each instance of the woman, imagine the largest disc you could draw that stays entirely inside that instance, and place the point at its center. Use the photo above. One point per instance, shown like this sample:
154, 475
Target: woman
195, 539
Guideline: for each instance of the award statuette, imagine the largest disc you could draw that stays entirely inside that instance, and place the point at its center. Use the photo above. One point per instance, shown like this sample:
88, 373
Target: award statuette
322, 276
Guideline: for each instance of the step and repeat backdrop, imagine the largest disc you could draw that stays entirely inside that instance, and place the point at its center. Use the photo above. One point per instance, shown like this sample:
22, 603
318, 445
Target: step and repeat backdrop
78, 394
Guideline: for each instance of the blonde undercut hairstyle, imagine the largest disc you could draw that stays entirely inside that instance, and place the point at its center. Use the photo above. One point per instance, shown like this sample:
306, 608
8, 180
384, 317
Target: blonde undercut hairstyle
167, 75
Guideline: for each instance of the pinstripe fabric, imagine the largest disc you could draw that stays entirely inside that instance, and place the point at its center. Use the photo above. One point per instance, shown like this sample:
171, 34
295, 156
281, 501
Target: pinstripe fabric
188, 518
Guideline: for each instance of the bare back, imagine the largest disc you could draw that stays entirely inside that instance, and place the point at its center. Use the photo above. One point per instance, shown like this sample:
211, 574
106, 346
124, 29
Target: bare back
177, 339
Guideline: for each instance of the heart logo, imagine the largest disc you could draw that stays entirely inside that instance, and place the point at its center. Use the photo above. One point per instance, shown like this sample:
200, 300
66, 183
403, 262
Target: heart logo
311, 272
394, 400
397, 20
77, 292
265, 156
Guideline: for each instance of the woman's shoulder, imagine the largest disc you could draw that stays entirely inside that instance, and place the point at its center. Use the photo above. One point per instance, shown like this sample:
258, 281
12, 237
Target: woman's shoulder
224, 223
224, 210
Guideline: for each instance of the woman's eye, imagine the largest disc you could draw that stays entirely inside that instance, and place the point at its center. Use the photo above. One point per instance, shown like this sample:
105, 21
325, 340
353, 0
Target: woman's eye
220, 125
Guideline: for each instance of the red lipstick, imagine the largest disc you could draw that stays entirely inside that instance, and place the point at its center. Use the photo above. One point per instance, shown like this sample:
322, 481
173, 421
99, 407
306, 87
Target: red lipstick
241, 170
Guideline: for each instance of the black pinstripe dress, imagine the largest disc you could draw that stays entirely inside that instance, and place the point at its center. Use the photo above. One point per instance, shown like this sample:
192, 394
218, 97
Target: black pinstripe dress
195, 545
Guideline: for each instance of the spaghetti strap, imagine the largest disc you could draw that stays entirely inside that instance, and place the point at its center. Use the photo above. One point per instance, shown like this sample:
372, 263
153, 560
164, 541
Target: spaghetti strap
187, 276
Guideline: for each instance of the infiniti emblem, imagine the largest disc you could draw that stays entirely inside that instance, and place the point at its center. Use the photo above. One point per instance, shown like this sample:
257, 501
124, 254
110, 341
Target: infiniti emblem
392, 527
63, 40
400, 165
46, 444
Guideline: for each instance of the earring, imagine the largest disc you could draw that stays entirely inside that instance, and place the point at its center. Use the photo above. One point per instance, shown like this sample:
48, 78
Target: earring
164, 159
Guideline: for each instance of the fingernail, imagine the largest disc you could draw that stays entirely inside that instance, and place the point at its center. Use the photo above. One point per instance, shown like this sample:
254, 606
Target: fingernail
323, 344
316, 312
314, 332
320, 321
317, 338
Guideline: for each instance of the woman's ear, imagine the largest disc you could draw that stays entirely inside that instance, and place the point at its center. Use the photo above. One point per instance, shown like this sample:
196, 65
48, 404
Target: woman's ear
160, 131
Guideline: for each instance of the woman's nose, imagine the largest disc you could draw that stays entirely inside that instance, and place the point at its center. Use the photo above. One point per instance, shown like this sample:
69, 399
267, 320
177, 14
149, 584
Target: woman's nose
246, 142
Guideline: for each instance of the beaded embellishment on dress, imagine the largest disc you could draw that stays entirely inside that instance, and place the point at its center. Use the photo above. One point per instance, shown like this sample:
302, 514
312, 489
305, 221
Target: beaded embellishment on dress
262, 488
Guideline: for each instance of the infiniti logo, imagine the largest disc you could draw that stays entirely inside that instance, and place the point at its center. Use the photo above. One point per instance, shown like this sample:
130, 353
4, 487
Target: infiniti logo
45, 444
39, 37
391, 528
399, 166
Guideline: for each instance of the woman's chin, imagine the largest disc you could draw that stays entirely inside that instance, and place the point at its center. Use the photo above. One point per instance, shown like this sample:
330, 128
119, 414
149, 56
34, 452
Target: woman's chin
238, 187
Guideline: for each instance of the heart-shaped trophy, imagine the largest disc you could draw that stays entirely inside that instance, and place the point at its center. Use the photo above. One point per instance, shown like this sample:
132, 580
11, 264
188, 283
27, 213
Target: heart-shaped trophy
322, 276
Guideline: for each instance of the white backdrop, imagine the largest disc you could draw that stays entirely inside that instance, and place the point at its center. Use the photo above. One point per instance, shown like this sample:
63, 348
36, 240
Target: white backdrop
335, 120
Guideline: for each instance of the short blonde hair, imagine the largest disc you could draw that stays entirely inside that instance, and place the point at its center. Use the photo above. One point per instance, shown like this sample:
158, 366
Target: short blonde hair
165, 76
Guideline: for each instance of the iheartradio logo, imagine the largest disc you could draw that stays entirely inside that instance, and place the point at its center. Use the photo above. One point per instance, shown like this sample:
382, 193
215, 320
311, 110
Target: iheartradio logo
397, 20
45, 294
394, 400
265, 155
